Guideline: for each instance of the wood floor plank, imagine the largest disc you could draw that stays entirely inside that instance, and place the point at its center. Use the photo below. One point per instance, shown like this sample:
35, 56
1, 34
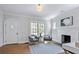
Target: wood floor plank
15, 49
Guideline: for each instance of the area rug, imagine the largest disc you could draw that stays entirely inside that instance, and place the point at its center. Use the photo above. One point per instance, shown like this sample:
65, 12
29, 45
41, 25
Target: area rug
46, 49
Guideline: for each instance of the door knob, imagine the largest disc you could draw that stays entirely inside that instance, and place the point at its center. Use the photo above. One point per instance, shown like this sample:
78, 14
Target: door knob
17, 33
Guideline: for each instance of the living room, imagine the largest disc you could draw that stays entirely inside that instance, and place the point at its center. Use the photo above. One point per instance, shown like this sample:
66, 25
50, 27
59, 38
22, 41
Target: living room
18, 22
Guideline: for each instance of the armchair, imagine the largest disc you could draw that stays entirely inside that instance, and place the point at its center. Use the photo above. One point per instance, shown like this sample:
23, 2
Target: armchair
33, 38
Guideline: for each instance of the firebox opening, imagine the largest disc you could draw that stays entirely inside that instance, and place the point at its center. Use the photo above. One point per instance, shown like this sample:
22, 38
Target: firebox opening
66, 38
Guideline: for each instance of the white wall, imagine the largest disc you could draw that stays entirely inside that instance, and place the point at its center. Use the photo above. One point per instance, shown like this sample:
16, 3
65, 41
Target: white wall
47, 27
23, 25
1, 28
68, 30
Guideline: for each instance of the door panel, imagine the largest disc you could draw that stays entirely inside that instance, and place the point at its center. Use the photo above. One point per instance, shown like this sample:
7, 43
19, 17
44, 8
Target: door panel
10, 32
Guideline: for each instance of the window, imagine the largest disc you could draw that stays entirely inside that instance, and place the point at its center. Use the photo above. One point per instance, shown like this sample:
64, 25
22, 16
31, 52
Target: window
37, 28
41, 29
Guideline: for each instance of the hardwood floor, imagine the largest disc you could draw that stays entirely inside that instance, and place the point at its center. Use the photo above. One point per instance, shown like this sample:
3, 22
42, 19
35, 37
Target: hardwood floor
15, 49
26, 49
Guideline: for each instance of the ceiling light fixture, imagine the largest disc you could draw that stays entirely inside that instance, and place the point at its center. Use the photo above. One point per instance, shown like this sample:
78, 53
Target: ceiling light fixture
39, 7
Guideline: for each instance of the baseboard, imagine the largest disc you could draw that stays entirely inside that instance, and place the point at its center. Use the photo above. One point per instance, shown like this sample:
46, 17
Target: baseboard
15, 43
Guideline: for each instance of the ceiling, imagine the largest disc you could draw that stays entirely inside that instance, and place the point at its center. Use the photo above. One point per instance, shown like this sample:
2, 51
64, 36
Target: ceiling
30, 9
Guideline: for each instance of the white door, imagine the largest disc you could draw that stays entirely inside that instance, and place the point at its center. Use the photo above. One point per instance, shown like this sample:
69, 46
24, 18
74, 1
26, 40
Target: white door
10, 32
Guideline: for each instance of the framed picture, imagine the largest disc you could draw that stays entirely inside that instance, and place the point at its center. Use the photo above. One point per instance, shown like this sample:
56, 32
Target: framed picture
68, 21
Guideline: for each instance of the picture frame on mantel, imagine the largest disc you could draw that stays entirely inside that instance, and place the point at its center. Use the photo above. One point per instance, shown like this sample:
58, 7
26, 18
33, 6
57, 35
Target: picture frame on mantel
68, 21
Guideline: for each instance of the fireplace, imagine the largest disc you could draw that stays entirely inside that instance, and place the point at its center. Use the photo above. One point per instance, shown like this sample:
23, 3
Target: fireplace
66, 38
